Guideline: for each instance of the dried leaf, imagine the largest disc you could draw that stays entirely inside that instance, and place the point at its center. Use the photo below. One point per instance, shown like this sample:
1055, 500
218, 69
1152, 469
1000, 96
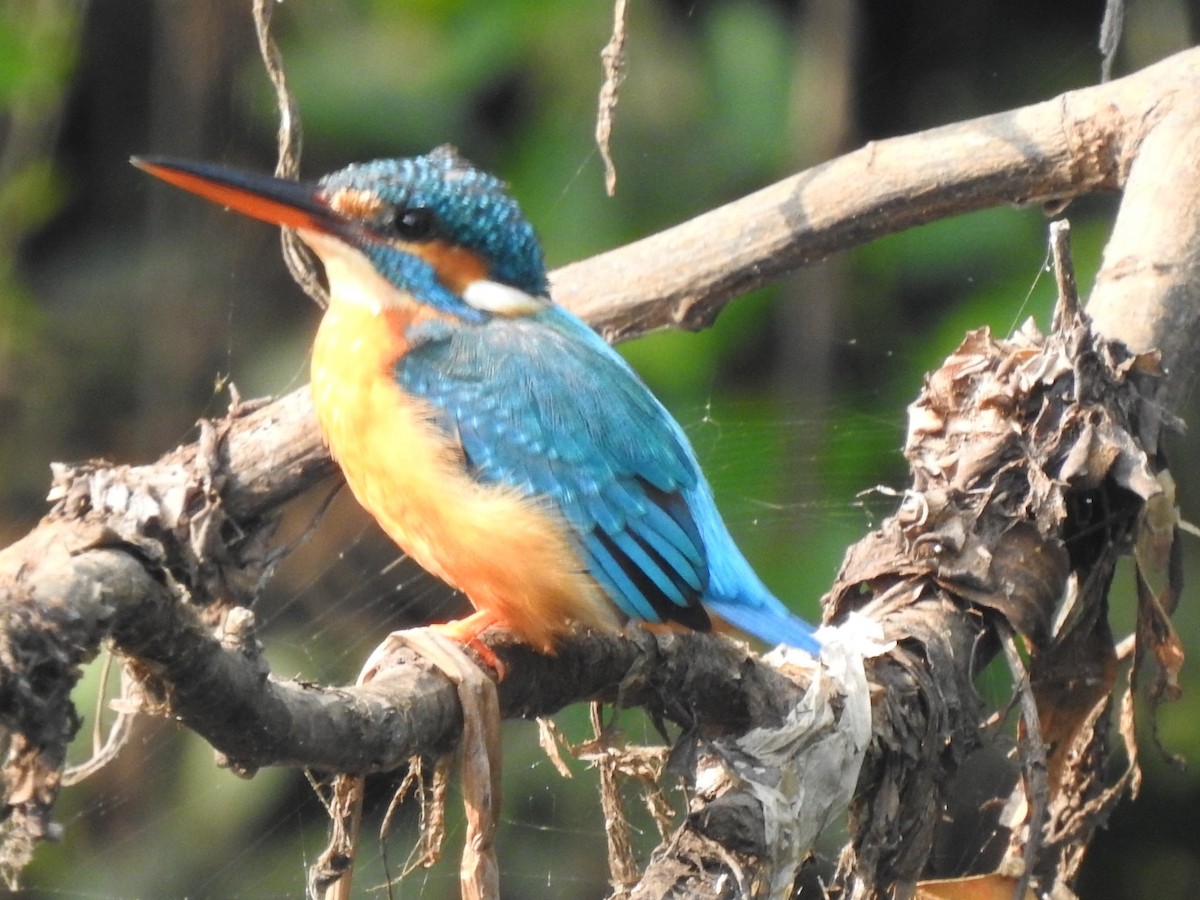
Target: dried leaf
1070, 684
975, 887
1155, 545
1029, 479
550, 740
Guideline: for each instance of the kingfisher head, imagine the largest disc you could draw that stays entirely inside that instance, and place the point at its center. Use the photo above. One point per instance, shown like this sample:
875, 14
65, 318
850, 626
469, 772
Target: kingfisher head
431, 228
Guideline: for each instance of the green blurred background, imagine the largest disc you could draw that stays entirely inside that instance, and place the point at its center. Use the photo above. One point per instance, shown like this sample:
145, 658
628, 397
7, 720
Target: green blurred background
125, 307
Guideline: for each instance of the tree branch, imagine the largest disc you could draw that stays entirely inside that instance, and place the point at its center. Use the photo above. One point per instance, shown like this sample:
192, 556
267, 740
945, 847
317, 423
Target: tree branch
1147, 292
1080, 142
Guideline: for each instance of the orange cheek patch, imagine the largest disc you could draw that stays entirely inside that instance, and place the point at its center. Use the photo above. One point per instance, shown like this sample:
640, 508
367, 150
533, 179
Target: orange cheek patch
456, 267
355, 204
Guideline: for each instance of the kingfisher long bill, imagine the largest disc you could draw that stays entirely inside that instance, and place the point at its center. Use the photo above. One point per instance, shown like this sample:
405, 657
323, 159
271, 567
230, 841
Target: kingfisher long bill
496, 438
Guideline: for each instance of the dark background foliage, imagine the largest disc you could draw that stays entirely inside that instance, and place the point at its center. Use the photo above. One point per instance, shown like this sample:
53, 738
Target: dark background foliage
126, 308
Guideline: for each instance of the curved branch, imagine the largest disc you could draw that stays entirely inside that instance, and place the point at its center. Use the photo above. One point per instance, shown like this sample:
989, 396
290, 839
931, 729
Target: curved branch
75, 584
1147, 292
1077, 143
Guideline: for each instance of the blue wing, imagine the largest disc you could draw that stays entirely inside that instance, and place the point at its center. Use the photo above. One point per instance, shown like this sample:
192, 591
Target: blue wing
541, 403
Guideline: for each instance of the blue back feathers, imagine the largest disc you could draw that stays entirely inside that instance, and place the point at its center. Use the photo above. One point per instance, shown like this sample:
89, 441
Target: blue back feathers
542, 404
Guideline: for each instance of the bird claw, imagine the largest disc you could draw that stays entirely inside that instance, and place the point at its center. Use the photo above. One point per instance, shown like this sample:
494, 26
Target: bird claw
466, 632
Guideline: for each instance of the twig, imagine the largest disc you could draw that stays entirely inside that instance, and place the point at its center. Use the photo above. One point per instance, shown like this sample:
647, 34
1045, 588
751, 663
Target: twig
1111, 28
1147, 292
105, 750
1067, 307
613, 58
300, 260
622, 866
1033, 759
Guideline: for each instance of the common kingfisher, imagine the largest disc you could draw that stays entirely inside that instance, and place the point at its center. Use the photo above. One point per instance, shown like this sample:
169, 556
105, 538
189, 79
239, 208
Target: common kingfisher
495, 437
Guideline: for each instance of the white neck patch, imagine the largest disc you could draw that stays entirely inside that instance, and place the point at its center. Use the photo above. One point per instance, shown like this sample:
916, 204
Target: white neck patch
502, 299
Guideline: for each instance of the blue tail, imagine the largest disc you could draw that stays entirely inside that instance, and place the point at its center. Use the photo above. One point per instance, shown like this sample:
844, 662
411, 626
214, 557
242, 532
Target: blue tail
768, 620
735, 592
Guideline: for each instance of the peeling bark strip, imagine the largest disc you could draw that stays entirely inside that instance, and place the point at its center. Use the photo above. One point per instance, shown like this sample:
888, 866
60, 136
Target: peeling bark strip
1028, 483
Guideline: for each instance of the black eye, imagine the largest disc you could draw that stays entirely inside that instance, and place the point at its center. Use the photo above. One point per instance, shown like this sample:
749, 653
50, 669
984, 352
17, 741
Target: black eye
414, 223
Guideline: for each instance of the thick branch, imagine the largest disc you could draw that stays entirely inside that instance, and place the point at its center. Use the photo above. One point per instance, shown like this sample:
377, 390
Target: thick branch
81, 583
1147, 292
1080, 142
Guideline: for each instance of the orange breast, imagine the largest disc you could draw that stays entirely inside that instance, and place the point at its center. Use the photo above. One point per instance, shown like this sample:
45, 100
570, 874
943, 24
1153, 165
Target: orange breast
509, 554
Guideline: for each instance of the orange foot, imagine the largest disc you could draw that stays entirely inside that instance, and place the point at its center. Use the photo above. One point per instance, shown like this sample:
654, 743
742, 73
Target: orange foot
466, 631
